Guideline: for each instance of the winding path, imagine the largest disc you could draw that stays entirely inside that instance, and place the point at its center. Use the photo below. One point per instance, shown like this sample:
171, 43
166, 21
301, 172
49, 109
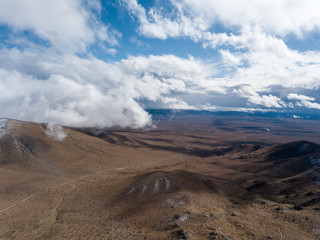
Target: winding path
46, 189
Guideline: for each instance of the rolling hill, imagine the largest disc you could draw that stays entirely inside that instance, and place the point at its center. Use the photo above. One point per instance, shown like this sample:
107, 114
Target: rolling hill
169, 182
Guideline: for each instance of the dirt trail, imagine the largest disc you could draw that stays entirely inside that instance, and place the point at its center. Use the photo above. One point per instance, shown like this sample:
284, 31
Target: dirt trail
46, 189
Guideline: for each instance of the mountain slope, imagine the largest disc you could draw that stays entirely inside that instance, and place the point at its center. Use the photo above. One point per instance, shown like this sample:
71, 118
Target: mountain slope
62, 183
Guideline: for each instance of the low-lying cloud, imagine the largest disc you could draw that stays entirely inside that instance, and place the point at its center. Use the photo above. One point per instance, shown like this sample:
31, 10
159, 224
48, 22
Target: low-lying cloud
89, 92
55, 131
74, 91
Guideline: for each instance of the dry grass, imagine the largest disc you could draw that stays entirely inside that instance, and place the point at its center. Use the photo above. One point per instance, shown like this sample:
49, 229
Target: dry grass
187, 178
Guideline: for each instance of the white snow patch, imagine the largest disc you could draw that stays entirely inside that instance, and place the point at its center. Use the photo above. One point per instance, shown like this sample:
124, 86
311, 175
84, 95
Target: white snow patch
55, 132
3, 124
167, 184
143, 190
156, 186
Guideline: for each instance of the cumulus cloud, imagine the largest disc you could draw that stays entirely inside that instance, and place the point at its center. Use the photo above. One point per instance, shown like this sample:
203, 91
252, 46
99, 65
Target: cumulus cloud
157, 23
267, 101
74, 91
304, 101
274, 16
176, 103
308, 104
253, 53
264, 100
294, 96
265, 62
259, 56
89, 92
194, 18
67, 25
111, 51
230, 59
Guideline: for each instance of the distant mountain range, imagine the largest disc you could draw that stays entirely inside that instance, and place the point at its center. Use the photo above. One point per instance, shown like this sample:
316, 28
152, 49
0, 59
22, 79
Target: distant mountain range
158, 113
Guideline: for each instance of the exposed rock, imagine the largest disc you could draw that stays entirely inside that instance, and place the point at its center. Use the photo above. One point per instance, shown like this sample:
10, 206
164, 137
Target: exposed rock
179, 234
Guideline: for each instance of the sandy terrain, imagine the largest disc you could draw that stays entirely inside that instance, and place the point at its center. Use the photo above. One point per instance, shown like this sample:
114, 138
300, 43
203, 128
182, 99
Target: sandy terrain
188, 178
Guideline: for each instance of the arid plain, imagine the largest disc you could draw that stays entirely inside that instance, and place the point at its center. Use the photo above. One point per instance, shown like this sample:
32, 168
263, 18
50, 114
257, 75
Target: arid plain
190, 176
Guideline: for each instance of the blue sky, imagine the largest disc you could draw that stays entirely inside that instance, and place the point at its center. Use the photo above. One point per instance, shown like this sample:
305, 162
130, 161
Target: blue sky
102, 63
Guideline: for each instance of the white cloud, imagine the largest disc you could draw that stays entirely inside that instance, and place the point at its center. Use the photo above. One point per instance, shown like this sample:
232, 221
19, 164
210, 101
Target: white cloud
294, 96
72, 91
308, 104
67, 101
58, 86
304, 101
55, 131
253, 53
267, 101
274, 16
263, 62
195, 18
67, 25
89, 92
156, 23
230, 59
253, 97
111, 51
176, 103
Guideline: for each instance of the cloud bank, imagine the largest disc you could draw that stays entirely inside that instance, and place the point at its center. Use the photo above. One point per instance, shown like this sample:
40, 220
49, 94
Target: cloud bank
51, 69
89, 92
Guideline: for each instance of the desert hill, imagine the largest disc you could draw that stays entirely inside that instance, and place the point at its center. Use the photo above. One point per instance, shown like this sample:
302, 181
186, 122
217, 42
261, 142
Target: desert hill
168, 182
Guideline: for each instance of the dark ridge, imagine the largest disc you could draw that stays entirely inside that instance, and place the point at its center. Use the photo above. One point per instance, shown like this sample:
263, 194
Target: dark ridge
159, 140
293, 149
256, 185
311, 202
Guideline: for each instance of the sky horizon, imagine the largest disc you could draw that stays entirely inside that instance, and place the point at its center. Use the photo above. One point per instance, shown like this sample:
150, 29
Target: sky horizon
102, 63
